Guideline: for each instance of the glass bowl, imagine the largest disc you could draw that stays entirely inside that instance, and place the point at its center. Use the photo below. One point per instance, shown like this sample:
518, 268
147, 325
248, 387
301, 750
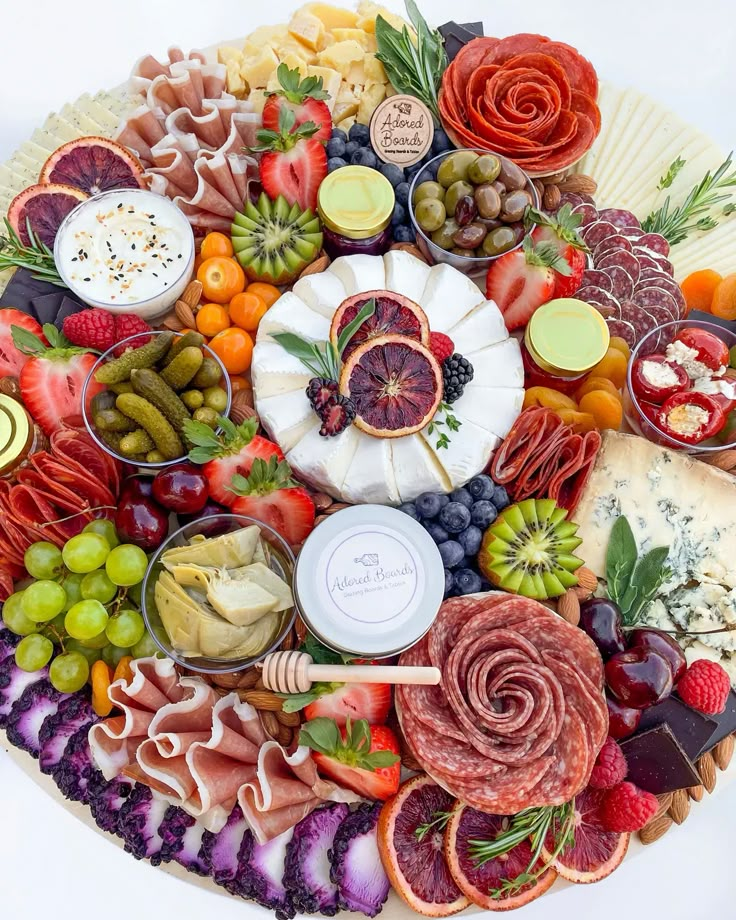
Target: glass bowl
281, 562
655, 343
135, 340
468, 265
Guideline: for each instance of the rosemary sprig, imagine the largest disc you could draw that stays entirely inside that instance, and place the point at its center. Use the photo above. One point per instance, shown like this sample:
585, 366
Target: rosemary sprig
36, 257
438, 823
694, 213
452, 423
672, 173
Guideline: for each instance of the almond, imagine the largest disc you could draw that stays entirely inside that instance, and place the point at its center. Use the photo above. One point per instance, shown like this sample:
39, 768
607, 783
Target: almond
173, 323
656, 828
248, 679
321, 500
291, 719
551, 197
241, 407
336, 506
723, 752
665, 800
553, 178
227, 681
10, 386
587, 579
192, 294
411, 249
680, 807
579, 184
696, 793
707, 770
185, 313
285, 735
320, 518
262, 700
538, 187
582, 594
568, 607
723, 459
314, 268
270, 723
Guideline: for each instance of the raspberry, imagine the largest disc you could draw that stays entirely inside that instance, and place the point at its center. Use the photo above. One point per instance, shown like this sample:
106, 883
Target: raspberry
610, 766
127, 324
337, 414
320, 391
93, 328
627, 808
705, 686
441, 345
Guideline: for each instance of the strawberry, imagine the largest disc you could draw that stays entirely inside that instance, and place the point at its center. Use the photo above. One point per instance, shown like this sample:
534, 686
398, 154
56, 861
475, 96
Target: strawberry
441, 346
52, 379
11, 359
223, 456
351, 701
361, 757
522, 280
305, 98
92, 328
562, 231
294, 163
271, 496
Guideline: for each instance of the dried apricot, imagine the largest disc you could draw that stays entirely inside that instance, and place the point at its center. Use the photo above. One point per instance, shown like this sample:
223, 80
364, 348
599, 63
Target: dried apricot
547, 397
123, 671
580, 422
724, 298
698, 289
101, 678
605, 409
596, 383
620, 345
612, 367
212, 318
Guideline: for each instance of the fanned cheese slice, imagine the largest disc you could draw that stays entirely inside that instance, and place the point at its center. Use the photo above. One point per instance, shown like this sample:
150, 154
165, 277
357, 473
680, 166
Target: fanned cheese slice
479, 329
370, 476
324, 462
499, 365
360, 273
493, 408
275, 371
322, 292
416, 468
448, 297
291, 314
405, 274
287, 417
468, 453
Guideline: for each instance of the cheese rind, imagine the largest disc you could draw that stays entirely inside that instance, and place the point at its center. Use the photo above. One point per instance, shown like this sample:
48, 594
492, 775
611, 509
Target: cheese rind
291, 314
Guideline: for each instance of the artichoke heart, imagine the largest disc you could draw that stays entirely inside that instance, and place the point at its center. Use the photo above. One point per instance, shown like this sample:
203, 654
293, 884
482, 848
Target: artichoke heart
179, 614
227, 551
238, 601
257, 637
259, 574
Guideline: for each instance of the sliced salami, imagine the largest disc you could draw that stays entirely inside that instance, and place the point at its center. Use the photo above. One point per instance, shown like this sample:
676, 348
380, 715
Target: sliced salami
622, 330
633, 233
599, 298
570, 198
656, 299
622, 284
620, 218
642, 321
596, 232
646, 259
651, 277
597, 278
655, 242
588, 212
623, 259
611, 244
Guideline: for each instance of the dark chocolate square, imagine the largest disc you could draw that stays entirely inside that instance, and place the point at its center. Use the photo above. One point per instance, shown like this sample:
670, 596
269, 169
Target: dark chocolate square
456, 36
725, 722
67, 308
657, 763
47, 306
475, 27
692, 729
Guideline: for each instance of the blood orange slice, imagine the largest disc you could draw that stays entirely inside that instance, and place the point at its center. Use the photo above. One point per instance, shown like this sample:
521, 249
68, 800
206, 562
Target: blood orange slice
410, 834
395, 384
479, 881
595, 852
44, 207
94, 165
394, 315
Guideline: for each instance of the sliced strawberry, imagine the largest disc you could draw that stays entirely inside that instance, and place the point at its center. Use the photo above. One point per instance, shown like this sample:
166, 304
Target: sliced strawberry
12, 360
294, 163
229, 454
361, 757
567, 285
561, 231
353, 701
305, 98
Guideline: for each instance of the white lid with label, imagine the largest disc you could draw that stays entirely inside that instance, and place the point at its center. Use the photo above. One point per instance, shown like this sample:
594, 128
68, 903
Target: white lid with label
369, 581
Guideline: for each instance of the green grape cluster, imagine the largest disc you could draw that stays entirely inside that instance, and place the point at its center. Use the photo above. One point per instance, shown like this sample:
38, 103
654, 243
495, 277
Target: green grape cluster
82, 605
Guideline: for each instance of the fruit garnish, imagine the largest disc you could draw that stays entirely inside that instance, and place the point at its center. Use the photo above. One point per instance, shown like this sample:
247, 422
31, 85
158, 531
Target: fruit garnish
705, 686
305, 98
36, 214
99, 330
337, 414
457, 372
528, 550
11, 359
626, 808
610, 766
395, 384
562, 231
275, 241
93, 165
393, 314
293, 161
319, 391
633, 582
639, 677
441, 346
32, 254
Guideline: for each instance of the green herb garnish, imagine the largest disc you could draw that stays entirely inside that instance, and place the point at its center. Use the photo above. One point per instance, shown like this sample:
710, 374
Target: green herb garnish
438, 823
633, 582
320, 358
452, 423
672, 173
37, 258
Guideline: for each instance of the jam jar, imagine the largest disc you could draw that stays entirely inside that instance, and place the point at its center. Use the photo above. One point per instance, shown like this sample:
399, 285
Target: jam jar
563, 341
355, 206
19, 436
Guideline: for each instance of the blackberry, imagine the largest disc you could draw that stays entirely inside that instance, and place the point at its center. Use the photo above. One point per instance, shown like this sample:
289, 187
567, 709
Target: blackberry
337, 414
457, 372
319, 391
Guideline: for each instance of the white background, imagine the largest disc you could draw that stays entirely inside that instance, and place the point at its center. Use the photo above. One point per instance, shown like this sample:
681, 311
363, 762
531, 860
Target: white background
682, 53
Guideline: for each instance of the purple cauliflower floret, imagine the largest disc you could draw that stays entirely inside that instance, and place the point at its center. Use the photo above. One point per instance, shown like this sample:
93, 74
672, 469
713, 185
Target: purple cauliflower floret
139, 821
76, 769
73, 713
182, 840
261, 873
13, 681
107, 798
307, 867
37, 703
8, 642
356, 863
220, 851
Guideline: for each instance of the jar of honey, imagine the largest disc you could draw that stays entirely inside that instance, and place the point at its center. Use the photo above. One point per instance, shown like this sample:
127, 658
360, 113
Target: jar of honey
19, 436
355, 206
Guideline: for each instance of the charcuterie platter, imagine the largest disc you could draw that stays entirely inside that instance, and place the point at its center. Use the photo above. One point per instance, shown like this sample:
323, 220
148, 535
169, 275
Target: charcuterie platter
367, 453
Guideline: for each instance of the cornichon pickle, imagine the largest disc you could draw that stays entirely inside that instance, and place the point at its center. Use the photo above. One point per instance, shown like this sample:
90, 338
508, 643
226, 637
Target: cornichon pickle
111, 439
150, 386
113, 420
208, 375
125, 387
103, 400
147, 355
137, 442
192, 399
189, 339
148, 417
184, 366
155, 456
215, 398
206, 415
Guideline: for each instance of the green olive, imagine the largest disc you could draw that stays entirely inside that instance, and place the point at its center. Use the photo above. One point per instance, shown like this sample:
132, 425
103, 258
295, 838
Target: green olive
443, 236
428, 190
485, 169
215, 398
430, 214
499, 240
455, 167
455, 192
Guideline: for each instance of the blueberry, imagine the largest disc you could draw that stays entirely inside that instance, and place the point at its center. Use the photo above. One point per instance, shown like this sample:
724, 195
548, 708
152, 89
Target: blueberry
452, 553
486, 585
399, 215
500, 498
364, 156
449, 582
428, 504
360, 134
463, 496
335, 163
467, 581
441, 142
483, 514
350, 148
402, 193
454, 517
336, 147
411, 509
339, 134
436, 532
404, 234
470, 540
481, 487
394, 173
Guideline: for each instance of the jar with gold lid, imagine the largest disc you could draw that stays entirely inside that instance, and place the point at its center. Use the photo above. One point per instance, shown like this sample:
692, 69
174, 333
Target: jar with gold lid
19, 436
355, 206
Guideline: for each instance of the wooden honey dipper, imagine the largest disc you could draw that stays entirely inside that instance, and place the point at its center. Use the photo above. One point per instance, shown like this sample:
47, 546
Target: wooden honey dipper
294, 672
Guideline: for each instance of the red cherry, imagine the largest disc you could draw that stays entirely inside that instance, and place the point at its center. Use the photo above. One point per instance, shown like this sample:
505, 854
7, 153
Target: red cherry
181, 488
622, 720
141, 521
663, 645
639, 677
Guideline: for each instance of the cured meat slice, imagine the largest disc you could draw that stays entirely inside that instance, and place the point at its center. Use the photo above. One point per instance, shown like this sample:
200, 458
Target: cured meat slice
588, 212
656, 242
626, 260
610, 244
599, 230
656, 299
622, 284
651, 277
567, 485
594, 277
642, 321
623, 330
571, 198
599, 298
620, 218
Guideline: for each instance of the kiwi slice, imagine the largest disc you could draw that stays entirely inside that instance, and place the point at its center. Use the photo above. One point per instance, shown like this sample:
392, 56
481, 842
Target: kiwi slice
529, 549
275, 241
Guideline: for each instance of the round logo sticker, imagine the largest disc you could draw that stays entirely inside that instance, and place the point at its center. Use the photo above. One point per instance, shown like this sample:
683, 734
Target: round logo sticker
402, 130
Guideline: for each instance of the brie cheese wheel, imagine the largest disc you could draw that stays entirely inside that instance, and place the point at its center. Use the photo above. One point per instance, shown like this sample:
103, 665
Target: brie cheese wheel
354, 466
